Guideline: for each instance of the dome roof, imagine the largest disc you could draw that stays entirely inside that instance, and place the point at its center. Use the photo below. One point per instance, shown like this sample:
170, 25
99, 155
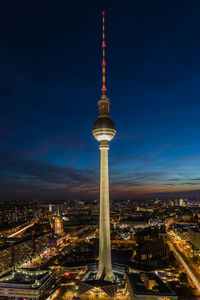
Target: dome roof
103, 122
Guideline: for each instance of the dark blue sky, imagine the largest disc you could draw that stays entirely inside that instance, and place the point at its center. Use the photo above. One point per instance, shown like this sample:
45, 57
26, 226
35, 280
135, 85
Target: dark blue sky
50, 82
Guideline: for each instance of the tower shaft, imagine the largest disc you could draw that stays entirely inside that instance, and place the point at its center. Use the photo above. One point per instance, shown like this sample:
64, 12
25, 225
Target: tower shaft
105, 266
104, 130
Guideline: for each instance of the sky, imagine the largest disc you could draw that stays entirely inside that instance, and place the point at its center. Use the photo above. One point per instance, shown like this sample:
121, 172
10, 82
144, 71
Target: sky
50, 82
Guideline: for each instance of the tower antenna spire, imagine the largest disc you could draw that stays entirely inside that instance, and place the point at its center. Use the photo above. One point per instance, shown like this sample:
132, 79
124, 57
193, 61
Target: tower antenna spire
103, 62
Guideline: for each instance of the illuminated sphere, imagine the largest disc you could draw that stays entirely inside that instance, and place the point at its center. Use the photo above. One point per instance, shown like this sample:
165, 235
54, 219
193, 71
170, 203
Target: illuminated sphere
104, 129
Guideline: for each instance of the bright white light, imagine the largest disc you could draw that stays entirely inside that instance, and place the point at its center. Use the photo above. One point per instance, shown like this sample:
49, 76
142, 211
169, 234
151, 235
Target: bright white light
103, 137
16, 233
104, 134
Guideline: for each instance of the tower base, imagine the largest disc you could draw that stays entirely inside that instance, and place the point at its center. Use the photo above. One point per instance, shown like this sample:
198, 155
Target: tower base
107, 276
110, 276
100, 286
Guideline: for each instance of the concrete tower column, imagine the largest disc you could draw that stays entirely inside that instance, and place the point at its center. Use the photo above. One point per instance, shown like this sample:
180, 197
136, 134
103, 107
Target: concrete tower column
105, 266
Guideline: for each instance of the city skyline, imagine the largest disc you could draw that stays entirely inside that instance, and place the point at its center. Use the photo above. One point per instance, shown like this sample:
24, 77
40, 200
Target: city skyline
50, 76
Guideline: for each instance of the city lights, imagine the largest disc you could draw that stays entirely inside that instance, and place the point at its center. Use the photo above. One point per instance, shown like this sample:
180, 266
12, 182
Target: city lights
123, 222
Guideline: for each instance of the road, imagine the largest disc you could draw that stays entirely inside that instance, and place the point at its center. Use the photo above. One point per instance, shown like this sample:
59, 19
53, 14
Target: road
21, 230
187, 264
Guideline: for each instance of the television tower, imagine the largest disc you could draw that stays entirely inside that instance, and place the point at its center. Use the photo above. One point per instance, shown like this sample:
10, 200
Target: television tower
104, 131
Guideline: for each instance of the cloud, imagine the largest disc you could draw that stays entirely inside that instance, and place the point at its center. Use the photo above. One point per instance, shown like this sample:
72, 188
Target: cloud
124, 158
64, 141
22, 177
130, 136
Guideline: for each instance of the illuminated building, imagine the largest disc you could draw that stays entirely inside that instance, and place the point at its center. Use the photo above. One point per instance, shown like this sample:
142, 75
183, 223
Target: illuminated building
104, 131
12, 253
101, 281
19, 251
50, 207
148, 286
106, 290
26, 283
58, 224
163, 234
181, 202
194, 237
151, 251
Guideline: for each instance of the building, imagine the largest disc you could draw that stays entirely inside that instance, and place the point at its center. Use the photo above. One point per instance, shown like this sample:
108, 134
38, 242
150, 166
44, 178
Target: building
102, 281
103, 289
181, 230
148, 286
151, 251
27, 283
104, 131
163, 234
181, 202
57, 240
194, 237
58, 224
18, 251
50, 207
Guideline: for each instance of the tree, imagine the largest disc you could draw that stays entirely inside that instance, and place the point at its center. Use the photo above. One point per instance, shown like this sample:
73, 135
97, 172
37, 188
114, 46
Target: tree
172, 259
183, 278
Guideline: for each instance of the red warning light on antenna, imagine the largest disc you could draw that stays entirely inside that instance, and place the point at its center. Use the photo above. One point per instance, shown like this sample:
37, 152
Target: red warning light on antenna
103, 13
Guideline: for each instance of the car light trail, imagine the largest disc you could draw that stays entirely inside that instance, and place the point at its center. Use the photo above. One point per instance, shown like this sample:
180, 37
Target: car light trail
195, 281
21, 230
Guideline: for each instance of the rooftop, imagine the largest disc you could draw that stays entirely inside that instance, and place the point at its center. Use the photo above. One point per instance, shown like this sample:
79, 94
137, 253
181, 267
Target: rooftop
149, 284
25, 278
195, 230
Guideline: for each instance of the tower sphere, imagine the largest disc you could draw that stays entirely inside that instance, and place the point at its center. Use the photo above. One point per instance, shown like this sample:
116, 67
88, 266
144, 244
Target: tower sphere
104, 129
